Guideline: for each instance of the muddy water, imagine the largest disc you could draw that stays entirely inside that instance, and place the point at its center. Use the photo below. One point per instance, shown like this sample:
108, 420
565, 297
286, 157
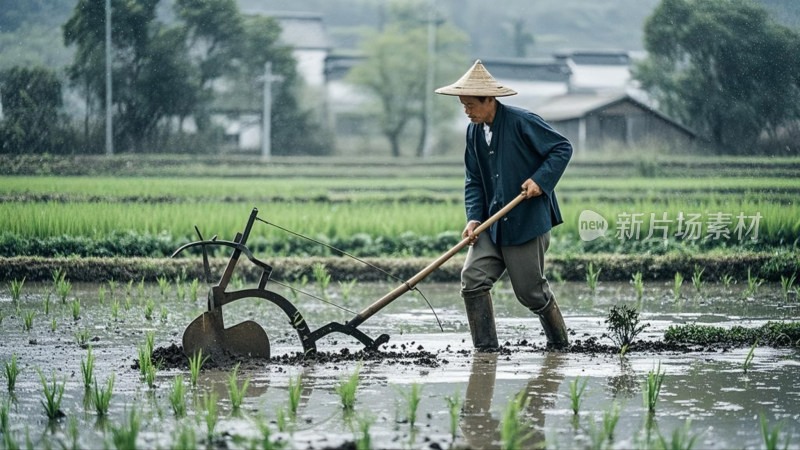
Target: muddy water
706, 387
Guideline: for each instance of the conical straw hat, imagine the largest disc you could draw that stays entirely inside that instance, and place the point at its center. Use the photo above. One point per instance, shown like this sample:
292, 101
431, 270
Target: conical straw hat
477, 82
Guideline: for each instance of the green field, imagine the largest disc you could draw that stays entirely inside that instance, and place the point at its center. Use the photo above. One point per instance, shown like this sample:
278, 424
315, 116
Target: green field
416, 210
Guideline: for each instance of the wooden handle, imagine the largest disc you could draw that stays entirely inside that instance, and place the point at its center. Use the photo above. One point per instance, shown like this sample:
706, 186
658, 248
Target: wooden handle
370, 310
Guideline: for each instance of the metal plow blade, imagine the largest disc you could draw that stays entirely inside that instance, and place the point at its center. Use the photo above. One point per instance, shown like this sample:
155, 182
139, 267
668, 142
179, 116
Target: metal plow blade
208, 333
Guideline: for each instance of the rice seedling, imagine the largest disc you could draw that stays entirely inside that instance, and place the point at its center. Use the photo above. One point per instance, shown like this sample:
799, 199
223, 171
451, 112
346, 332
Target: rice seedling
129, 287
347, 288
2, 316
53, 325
46, 302
102, 396
412, 398
266, 442
164, 313
52, 396
181, 291
726, 280
210, 413
147, 367
115, 310
363, 439
771, 435
592, 276
697, 277
195, 363
748, 360
82, 337
786, 285
454, 409
11, 371
149, 306
322, 277
16, 289
101, 293
186, 438
681, 438
127, 304
637, 282
140, 288
177, 397
112, 286
295, 389
124, 436
163, 286
347, 388
280, 419
63, 288
610, 420
193, 289
652, 388
76, 309
576, 388
27, 320
676, 289
753, 282
87, 369
512, 426
623, 325
237, 394
4, 420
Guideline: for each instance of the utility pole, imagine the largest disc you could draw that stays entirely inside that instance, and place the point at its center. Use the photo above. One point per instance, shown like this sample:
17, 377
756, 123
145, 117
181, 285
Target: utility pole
427, 145
109, 116
266, 119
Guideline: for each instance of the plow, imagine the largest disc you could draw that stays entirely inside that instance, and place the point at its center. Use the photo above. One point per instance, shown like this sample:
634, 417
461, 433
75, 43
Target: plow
209, 334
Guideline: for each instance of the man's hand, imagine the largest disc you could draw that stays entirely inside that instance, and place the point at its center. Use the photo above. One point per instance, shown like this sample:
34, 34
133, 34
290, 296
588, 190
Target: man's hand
531, 189
468, 231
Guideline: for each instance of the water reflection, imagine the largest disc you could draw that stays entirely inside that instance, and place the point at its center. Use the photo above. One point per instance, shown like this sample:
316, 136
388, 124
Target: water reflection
480, 428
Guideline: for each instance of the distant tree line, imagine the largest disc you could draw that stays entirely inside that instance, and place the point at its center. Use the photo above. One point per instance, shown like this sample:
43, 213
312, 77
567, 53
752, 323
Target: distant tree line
212, 58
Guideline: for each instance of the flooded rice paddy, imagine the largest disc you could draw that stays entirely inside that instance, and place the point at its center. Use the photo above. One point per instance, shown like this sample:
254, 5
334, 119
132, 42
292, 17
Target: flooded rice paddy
704, 389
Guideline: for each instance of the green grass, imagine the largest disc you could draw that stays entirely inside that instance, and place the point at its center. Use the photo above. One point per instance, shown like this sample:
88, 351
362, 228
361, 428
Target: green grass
347, 387
53, 394
87, 369
76, 309
295, 390
236, 393
412, 398
16, 289
637, 282
124, 436
12, 370
576, 388
210, 413
592, 276
195, 363
786, 285
513, 428
177, 397
27, 320
652, 388
676, 288
748, 360
454, 409
101, 397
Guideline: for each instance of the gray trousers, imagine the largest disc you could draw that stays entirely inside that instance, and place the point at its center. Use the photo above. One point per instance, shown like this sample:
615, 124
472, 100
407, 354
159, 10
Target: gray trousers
486, 262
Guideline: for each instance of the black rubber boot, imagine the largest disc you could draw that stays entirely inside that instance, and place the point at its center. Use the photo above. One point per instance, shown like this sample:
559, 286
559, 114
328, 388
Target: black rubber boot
553, 324
480, 315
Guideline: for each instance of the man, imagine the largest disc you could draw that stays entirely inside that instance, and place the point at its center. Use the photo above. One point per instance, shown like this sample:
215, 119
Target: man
508, 150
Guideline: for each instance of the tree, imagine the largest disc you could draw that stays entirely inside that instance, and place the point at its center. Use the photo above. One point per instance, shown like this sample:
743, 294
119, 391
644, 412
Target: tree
395, 66
31, 101
723, 68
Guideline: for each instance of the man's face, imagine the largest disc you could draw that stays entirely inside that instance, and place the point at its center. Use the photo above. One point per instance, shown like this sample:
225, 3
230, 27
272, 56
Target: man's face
477, 111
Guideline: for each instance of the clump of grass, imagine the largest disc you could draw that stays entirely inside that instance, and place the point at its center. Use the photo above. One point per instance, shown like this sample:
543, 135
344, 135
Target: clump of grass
149, 306
63, 287
53, 325
186, 438
652, 388
12, 371
46, 302
748, 360
676, 289
726, 280
82, 337
363, 439
140, 288
412, 398
576, 388
347, 388
177, 397
195, 363
193, 289
454, 409
210, 413
322, 277
786, 285
52, 396
87, 369
681, 439
512, 428
237, 394
697, 277
124, 436
164, 313
129, 287
623, 325
16, 289
295, 389
753, 282
347, 288
771, 435
76, 309
638, 283
102, 396
2, 316
102, 294
127, 304
27, 320
180, 289
602, 436
115, 310
112, 286
147, 367
163, 286
592, 276
4, 420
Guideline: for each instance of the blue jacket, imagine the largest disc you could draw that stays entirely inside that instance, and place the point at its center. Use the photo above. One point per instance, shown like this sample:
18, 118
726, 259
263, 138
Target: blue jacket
523, 146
